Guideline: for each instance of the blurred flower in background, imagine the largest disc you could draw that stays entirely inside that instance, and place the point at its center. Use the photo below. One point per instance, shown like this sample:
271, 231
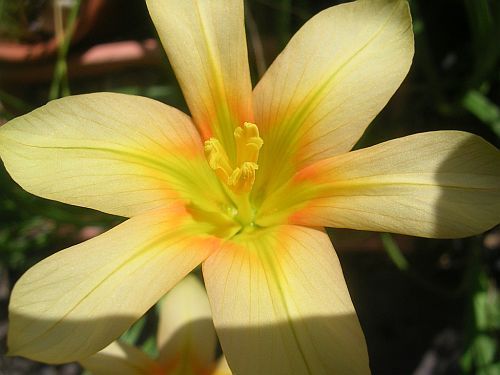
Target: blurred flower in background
186, 340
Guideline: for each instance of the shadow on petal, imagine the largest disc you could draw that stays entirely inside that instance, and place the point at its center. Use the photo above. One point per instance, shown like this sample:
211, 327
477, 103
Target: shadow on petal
334, 352
469, 199
65, 345
184, 357
316, 345
193, 346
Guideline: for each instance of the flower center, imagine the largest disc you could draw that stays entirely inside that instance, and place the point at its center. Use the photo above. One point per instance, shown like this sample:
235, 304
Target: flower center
240, 176
237, 174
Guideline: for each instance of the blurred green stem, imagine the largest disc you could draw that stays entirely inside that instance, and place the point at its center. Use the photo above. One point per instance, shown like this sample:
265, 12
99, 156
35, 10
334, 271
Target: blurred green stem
398, 258
484, 24
14, 102
60, 84
393, 251
483, 108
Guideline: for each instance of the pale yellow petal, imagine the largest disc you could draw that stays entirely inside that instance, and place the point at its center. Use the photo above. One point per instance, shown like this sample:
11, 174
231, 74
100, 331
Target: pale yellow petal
186, 334
332, 79
120, 358
281, 306
440, 184
116, 153
79, 300
206, 45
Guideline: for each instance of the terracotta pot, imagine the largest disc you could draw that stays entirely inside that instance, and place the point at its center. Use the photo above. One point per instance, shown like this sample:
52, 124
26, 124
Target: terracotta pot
99, 59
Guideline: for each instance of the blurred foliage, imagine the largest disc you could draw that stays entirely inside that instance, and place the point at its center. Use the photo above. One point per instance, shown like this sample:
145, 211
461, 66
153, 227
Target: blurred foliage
483, 108
454, 83
482, 351
20, 19
10, 13
29, 225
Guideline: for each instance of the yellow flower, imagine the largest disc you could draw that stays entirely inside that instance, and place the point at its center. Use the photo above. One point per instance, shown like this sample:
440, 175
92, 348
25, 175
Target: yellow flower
186, 340
243, 187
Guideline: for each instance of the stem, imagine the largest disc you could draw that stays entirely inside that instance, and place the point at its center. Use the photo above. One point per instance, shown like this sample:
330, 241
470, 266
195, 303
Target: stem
60, 80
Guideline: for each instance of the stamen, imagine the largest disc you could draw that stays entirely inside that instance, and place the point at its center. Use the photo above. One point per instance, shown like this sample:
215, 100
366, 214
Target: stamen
248, 143
241, 177
217, 159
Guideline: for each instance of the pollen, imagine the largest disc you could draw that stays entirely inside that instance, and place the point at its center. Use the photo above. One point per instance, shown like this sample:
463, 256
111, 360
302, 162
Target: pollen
238, 176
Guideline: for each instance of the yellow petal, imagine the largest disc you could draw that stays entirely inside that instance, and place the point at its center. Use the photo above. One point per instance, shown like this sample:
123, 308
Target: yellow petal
206, 45
79, 300
281, 306
116, 153
120, 358
439, 184
332, 79
186, 335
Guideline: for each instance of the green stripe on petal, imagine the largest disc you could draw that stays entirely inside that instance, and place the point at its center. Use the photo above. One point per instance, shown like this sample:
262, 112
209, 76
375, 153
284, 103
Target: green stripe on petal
79, 300
441, 184
334, 76
206, 45
281, 306
116, 153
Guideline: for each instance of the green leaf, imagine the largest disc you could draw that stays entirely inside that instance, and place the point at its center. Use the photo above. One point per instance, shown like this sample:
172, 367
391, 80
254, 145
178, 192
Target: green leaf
133, 333
149, 347
485, 110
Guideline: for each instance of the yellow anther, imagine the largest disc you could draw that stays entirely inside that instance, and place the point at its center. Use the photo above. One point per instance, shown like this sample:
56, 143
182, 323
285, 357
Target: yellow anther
240, 177
217, 159
248, 143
